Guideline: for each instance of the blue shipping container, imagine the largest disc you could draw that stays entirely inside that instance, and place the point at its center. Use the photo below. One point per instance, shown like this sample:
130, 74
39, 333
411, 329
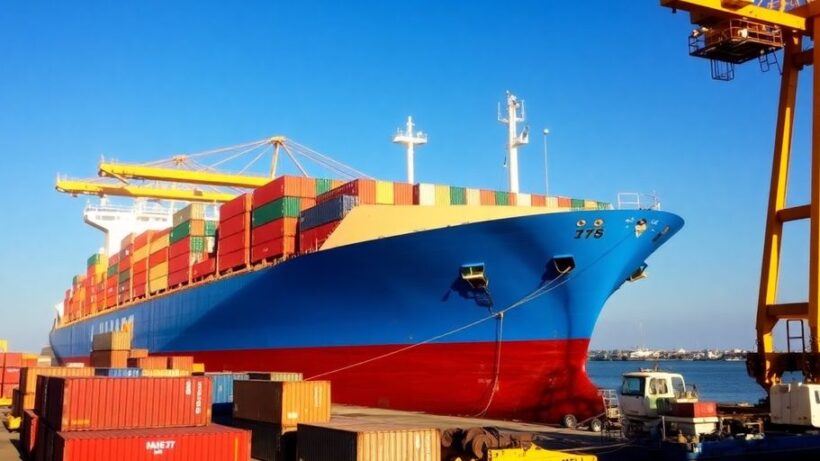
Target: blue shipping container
325, 212
119, 372
222, 391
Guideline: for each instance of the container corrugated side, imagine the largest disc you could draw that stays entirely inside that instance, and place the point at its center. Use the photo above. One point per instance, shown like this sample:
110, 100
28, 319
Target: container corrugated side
269, 442
472, 197
82, 404
458, 195
118, 372
275, 375
194, 211
523, 199
109, 359
206, 443
285, 207
28, 432
325, 212
238, 206
402, 194
284, 403
222, 391
442, 195
577, 203
502, 198
424, 194
111, 341
590, 204
28, 376
384, 193
367, 441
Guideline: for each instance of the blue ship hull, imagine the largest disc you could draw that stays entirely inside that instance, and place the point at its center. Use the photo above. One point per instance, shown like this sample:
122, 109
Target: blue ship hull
395, 310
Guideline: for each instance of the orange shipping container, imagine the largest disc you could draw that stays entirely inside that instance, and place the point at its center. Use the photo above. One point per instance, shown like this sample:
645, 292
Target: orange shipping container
181, 362
402, 193
564, 202
487, 197
149, 363
137, 353
539, 200
282, 403
109, 359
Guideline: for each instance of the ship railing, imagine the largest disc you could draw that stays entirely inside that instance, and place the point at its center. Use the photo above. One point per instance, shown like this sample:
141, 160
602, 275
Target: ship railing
638, 201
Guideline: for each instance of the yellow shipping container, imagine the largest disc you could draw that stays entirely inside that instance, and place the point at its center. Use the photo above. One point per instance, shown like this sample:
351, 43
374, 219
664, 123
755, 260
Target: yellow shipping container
384, 192
4, 345
552, 202
141, 253
198, 368
160, 270
590, 205
165, 373
157, 284
442, 195
159, 243
194, 211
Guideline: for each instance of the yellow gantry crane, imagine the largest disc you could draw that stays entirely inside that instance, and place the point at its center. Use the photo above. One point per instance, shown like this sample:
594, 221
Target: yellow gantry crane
730, 32
187, 178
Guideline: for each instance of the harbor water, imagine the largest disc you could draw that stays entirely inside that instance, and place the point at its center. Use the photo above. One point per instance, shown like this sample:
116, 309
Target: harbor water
721, 381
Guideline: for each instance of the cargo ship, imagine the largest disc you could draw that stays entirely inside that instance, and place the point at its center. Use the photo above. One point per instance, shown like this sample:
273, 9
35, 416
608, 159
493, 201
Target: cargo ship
423, 297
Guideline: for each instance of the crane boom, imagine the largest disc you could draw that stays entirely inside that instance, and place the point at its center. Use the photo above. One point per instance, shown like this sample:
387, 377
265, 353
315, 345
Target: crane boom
728, 9
190, 195
132, 171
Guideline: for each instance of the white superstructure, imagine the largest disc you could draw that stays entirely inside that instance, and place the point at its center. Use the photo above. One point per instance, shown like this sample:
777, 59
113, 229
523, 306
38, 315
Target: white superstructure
410, 139
515, 114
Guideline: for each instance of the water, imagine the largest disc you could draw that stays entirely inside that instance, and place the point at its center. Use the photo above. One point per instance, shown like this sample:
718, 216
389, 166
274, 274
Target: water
719, 381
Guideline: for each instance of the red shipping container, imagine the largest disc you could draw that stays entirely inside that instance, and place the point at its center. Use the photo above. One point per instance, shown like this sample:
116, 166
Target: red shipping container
312, 239
539, 200
234, 225
124, 264
203, 269
274, 230
364, 189
179, 262
149, 363
208, 443
181, 277
234, 242
28, 432
181, 362
158, 257
283, 186
234, 260
487, 197
564, 202
139, 266
12, 359
99, 403
402, 193
7, 390
273, 249
694, 409
11, 375
240, 205
143, 239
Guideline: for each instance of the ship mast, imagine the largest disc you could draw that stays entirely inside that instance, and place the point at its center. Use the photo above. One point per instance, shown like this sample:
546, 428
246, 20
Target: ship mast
410, 140
515, 114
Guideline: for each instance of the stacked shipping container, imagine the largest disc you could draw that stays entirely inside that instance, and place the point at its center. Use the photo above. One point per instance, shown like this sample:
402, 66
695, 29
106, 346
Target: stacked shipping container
158, 262
275, 215
234, 243
10, 364
191, 240
289, 215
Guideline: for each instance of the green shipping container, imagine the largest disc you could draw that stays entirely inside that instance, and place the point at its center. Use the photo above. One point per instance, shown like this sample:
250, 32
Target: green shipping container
94, 260
125, 276
180, 231
458, 195
113, 270
285, 207
603, 205
576, 203
196, 244
323, 185
210, 227
503, 198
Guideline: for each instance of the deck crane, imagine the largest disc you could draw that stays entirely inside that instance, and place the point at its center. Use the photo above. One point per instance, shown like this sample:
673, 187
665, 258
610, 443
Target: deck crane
162, 179
730, 32
184, 178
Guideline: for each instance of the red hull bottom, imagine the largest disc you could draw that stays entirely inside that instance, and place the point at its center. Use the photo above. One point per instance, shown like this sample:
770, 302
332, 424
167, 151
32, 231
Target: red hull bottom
538, 381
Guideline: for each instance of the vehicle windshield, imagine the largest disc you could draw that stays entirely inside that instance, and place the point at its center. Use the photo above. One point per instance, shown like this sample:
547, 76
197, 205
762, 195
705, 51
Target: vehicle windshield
632, 386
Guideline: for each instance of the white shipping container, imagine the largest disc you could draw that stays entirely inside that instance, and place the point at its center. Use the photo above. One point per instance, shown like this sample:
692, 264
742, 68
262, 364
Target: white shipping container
524, 200
552, 202
426, 194
473, 197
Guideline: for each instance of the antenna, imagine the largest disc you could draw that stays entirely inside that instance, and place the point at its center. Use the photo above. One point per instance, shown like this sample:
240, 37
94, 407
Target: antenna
515, 113
410, 140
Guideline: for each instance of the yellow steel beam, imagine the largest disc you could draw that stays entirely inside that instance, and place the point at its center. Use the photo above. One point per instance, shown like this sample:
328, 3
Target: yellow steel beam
129, 171
788, 310
770, 271
188, 195
724, 9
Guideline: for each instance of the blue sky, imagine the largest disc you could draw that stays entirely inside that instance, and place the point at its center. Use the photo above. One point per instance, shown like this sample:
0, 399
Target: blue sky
627, 108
